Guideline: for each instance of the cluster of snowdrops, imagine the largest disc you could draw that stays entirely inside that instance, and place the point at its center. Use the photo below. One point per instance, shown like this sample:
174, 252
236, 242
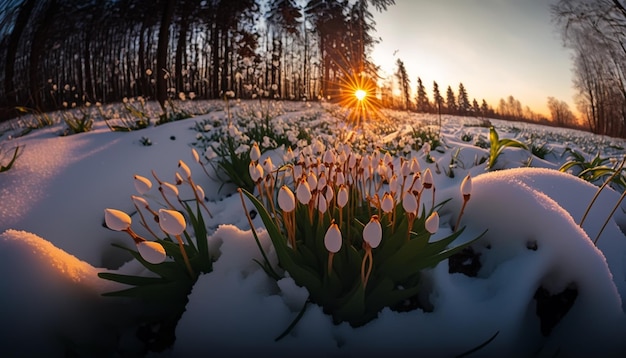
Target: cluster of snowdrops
356, 230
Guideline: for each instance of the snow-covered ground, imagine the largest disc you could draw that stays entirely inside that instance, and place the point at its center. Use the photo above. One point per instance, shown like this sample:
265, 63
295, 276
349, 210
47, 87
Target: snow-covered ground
53, 243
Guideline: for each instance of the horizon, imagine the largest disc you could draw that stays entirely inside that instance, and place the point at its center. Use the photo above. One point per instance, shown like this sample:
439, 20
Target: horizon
515, 51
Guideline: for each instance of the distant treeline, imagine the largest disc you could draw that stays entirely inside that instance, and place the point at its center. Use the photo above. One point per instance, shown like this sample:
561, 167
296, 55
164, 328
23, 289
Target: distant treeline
68, 52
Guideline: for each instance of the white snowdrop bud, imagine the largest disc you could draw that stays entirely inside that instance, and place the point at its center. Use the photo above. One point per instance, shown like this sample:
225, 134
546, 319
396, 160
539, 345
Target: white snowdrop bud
332, 239
426, 148
340, 179
286, 199
289, 155
415, 166
255, 152
303, 192
427, 180
195, 155
466, 187
116, 219
268, 166
387, 204
142, 184
387, 159
342, 196
178, 179
185, 169
151, 251
409, 203
373, 232
321, 181
432, 223
297, 171
405, 169
322, 205
312, 180
199, 191
329, 157
394, 184
330, 194
256, 171
139, 201
416, 185
169, 189
172, 222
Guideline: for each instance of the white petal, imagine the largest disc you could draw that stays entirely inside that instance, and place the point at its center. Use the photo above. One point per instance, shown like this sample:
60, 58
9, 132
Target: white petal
151, 251
116, 219
171, 221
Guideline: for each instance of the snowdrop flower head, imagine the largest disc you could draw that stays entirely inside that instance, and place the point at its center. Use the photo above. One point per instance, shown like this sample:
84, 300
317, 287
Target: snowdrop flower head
332, 239
303, 192
169, 189
178, 179
139, 201
256, 171
387, 203
342, 196
466, 187
427, 180
255, 152
142, 184
409, 203
172, 222
117, 220
199, 191
373, 232
322, 205
432, 223
268, 165
185, 169
151, 251
286, 199
195, 155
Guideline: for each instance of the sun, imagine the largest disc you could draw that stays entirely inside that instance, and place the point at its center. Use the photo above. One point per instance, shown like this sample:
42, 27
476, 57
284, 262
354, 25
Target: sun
357, 96
360, 94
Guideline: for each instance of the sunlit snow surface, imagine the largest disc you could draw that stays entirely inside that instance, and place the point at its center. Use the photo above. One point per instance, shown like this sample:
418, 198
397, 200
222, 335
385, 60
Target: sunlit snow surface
52, 245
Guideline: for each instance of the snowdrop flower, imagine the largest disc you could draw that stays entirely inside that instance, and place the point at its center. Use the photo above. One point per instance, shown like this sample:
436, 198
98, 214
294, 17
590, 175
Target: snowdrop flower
151, 251
342, 196
286, 199
199, 191
329, 157
322, 205
268, 166
329, 194
139, 201
185, 169
142, 184
432, 223
209, 153
409, 203
195, 155
256, 171
172, 222
340, 179
312, 180
415, 166
387, 203
303, 192
466, 187
117, 220
426, 148
169, 189
255, 152
332, 239
289, 155
373, 232
427, 180
178, 179
416, 185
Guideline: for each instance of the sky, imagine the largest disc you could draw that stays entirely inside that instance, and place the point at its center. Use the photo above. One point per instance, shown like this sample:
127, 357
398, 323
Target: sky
496, 48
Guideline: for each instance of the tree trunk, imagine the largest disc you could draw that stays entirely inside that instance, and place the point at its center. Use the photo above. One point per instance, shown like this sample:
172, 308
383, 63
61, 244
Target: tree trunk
162, 47
14, 40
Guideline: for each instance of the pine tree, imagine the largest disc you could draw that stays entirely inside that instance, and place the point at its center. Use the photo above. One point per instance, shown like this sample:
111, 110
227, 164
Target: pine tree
423, 105
463, 103
437, 99
404, 82
451, 105
475, 107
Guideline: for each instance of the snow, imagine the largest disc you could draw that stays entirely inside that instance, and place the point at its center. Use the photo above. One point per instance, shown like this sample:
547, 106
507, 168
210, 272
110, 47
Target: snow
53, 244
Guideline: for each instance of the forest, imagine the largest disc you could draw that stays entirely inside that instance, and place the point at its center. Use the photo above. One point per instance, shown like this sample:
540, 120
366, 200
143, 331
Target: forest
68, 53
